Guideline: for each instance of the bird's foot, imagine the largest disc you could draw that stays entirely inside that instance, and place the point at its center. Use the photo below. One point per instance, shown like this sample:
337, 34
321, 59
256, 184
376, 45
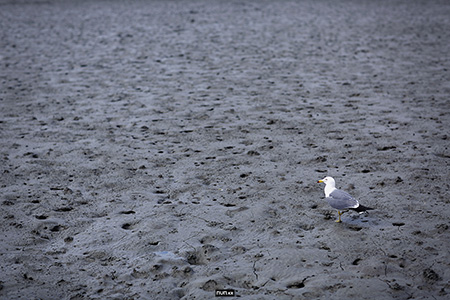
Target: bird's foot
339, 219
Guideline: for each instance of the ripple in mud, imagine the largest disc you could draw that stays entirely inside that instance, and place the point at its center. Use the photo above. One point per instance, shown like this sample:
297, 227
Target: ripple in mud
296, 285
56, 228
430, 275
127, 226
202, 255
63, 209
355, 228
210, 285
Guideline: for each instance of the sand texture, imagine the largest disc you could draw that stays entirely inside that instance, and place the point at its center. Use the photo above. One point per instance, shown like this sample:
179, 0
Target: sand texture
166, 149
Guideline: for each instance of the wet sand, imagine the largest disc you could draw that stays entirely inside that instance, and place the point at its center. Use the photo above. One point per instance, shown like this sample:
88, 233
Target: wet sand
167, 149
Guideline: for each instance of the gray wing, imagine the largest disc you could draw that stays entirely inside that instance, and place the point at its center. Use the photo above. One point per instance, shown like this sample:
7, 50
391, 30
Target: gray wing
341, 200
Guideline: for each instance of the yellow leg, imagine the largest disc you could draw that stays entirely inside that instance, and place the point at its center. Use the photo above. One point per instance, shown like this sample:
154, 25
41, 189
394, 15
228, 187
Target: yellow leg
339, 220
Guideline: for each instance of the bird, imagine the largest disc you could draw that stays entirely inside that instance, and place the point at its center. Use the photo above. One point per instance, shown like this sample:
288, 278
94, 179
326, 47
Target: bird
340, 200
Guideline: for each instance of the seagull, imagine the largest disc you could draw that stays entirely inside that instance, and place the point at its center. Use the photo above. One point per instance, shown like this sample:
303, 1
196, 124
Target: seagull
339, 199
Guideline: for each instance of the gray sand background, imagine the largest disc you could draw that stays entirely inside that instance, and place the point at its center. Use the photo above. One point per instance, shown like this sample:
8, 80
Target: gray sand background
166, 149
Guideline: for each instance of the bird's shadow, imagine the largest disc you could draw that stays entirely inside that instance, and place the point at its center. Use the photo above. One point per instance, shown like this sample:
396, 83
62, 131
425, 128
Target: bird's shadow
357, 222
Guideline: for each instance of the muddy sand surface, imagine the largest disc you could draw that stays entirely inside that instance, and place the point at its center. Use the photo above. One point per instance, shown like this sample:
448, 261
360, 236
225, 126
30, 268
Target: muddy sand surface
167, 149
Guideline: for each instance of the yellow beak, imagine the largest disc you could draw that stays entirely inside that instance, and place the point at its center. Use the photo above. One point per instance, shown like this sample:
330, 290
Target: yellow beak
320, 181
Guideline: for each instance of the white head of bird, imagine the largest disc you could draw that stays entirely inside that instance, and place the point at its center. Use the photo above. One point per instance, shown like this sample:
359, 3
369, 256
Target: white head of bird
330, 185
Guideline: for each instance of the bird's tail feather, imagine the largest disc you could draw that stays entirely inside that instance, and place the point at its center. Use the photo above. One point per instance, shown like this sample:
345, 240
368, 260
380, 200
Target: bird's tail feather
362, 208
